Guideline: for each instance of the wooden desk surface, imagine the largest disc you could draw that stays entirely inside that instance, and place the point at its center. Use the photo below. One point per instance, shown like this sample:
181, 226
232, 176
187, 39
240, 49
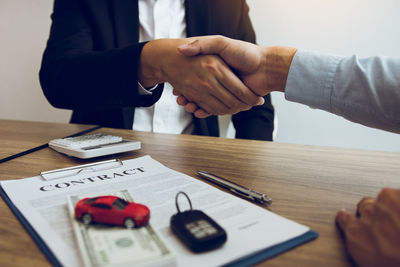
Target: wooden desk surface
18, 136
307, 183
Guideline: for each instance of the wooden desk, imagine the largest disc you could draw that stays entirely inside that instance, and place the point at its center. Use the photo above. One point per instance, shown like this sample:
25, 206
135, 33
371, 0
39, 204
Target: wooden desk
308, 183
18, 136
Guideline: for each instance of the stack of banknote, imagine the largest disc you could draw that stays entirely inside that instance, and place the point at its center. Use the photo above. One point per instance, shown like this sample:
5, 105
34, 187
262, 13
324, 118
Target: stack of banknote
104, 245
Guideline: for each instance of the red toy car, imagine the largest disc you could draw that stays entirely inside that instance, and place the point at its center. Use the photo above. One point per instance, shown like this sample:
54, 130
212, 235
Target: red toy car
112, 210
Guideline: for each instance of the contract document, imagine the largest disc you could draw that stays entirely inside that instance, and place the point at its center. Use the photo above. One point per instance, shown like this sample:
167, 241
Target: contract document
251, 230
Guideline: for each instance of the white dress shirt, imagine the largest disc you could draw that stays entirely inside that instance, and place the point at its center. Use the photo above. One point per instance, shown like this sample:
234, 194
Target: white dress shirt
362, 90
162, 19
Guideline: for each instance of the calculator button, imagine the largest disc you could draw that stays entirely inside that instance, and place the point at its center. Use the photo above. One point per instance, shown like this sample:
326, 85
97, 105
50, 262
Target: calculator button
87, 140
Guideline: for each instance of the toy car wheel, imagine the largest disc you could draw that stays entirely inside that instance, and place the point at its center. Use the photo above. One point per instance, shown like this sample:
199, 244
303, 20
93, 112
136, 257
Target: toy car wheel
129, 223
87, 219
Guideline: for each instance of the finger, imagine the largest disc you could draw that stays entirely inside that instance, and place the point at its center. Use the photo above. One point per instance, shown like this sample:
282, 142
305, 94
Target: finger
388, 208
214, 98
230, 81
191, 107
201, 114
210, 103
344, 219
181, 100
389, 197
368, 213
205, 100
233, 104
361, 244
204, 45
175, 92
224, 82
191, 49
366, 201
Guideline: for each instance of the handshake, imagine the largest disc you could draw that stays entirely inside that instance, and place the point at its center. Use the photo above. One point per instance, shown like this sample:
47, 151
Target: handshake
215, 75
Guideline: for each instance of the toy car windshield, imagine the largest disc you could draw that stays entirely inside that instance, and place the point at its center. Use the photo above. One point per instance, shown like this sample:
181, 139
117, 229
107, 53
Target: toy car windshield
120, 204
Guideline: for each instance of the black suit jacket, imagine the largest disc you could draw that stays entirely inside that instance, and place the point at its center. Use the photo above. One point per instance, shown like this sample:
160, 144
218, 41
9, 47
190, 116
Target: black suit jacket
90, 64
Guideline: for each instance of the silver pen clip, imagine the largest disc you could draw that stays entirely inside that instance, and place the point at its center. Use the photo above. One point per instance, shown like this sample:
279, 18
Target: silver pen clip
235, 188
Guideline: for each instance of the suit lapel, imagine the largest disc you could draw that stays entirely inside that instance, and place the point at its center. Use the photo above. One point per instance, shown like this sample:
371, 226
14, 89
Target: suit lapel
197, 17
126, 19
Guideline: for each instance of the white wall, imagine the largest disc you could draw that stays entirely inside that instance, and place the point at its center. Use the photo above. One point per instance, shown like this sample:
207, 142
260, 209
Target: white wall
24, 29
365, 27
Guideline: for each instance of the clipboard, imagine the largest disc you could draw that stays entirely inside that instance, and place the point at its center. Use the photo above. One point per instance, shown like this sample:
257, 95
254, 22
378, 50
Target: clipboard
28, 227
274, 250
247, 260
51, 175
97, 166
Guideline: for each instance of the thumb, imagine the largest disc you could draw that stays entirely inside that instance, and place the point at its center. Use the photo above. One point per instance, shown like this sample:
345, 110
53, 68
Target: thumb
204, 46
190, 50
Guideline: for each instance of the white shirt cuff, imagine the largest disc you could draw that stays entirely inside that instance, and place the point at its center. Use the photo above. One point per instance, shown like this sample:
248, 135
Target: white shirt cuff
144, 91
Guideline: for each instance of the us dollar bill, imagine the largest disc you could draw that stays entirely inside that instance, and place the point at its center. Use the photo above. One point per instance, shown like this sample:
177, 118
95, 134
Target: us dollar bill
111, 246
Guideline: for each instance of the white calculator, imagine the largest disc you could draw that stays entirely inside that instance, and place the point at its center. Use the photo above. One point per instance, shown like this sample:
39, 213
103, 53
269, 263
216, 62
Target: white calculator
93, 145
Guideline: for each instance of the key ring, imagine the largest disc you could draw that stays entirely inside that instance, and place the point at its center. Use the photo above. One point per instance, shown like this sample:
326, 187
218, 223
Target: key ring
176, 200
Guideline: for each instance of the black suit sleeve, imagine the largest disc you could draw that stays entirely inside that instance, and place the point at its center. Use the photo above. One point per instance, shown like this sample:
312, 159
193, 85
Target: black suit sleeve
258, 122
77, 71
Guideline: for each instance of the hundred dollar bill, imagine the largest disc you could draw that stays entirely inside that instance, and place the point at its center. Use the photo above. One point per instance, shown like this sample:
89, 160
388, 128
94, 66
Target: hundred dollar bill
111, 246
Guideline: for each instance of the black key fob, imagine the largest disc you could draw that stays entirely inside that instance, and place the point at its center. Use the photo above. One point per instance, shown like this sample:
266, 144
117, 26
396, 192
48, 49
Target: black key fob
197, 230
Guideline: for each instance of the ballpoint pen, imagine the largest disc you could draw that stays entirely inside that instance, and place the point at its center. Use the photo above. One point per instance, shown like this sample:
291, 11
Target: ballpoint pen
235, 188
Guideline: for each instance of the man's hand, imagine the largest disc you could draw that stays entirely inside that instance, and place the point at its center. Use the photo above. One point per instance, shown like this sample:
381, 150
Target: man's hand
205, 80
262, 69
246, 58
373, 236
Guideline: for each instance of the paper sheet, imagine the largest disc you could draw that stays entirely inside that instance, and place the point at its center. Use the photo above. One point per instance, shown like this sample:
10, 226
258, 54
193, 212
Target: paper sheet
249, 227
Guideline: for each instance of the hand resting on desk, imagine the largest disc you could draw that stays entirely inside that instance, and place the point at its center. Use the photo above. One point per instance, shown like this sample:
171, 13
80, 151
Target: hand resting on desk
373, 235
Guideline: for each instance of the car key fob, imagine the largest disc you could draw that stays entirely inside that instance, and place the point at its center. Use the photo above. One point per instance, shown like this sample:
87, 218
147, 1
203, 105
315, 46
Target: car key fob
197, 230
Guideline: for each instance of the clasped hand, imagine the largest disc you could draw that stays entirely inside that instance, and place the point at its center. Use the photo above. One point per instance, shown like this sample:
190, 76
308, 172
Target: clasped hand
261, 69
204, 79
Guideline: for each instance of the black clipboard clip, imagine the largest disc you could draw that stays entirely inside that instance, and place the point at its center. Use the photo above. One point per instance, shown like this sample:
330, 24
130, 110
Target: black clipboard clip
91, 167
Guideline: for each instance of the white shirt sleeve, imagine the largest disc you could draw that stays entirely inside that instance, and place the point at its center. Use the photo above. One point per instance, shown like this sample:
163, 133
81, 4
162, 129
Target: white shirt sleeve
362, 90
